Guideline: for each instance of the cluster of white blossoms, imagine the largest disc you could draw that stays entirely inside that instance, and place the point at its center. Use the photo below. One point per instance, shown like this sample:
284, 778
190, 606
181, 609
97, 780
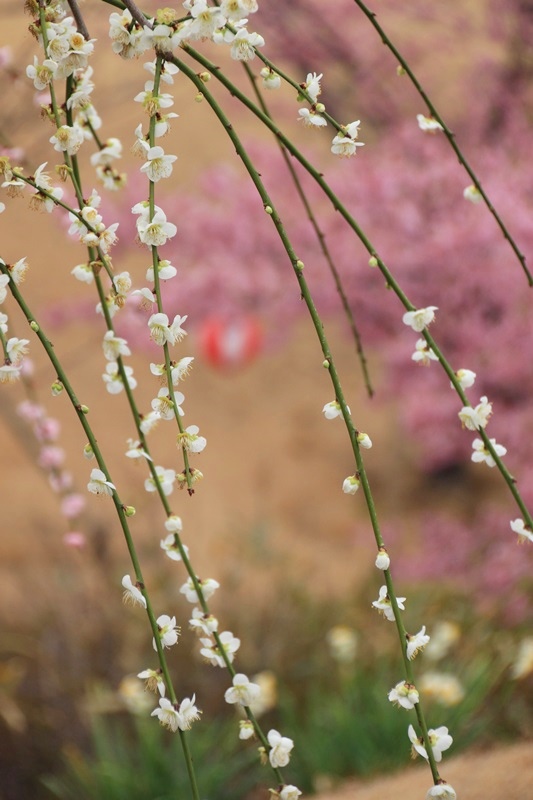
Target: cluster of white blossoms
14, 349
224, 23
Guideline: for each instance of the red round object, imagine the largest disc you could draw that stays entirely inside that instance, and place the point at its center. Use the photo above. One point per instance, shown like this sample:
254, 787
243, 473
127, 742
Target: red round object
229, 344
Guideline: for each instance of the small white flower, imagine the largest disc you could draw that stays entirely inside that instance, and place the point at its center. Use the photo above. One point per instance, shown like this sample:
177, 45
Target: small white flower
244, 44
481, 453
524, 531
439, 738
384, 606
165, 478
364, 440
465, 377
382, 559
170, 546
333, 409
173, 717
344, 144
165, 270
188, 713
114, 346
99, 484
132, 593
311, 118
208, 587
442, 790
154, 680
312, 86
472, 194
135, 450
351, 484
212, 652
173, 524
420, 318
246, 729
203, 623
280, 749
83, 272
271, 80
113, 379
168, 632
289, 792
476, 418
156, 232
423, 353
16, 350
158, 165
190, 440
428, 124
404, 694
416, 642
242, 692
67, 139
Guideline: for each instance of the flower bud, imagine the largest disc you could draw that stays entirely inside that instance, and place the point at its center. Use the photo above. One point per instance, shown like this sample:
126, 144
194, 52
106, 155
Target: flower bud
129, 511
57, 388
372, 262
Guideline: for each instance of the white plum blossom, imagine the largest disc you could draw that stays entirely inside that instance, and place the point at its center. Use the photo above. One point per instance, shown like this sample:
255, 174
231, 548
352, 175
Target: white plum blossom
165, 271
416, 642
164, 406
17, 271
243, 692
364, 440
156, 232
382, 559
167, 714
173, 717
465, 377
132, 593
113, 379
311, 118
111, 151
246, 729
99, 483
420, 318
384, 606
168, 70
481, 454
208, 587
161, 331
167, 630
135, 450
404, 695
236, 10
190, 440
151, 102
41, 74
173, 524
4, 280
158, 165
280, 749
114, 346
428, 124
170, 546
243, 45
523, 531
67, 139
333, 409
444, 791
154, 680
312, 86
16, 350
289, 792
478, 417
344, 143
165, 479
351, 484
472, 194
423, 354
149, 421
439, 738
203, 623
271, 80
213, 653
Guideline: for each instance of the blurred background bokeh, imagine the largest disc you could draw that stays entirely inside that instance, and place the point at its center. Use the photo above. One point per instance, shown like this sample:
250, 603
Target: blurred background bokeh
294, 556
